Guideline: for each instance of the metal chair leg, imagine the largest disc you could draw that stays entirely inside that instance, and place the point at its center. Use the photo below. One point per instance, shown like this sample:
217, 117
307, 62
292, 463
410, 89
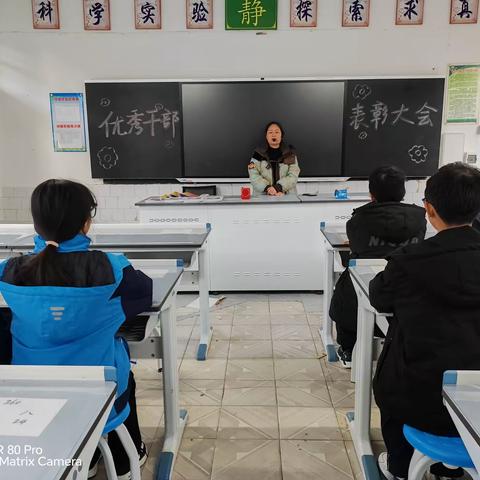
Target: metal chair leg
473, 473
419, 466
131, 450
107, 458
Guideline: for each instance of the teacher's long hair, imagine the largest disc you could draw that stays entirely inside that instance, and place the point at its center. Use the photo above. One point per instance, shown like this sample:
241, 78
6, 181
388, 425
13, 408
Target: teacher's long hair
283, 143
279, 125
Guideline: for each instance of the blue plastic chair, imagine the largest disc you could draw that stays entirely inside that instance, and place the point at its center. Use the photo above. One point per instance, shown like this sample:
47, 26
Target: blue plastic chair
430, 449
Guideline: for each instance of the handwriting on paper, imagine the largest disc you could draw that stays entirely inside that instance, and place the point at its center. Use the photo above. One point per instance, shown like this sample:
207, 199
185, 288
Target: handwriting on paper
24, 417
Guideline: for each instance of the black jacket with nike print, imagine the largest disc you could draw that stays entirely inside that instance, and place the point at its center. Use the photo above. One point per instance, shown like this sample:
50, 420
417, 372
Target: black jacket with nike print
374, 231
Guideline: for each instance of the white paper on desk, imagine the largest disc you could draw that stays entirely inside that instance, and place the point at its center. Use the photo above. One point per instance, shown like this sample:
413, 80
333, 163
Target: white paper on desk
211, 302
27, 417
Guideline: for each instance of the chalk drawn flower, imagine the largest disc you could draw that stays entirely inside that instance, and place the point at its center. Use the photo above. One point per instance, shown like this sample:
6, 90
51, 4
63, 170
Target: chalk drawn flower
107, 157
418, 154
361, 91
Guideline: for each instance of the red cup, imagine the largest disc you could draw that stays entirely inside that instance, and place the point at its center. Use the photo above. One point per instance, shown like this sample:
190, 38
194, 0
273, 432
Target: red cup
245, 193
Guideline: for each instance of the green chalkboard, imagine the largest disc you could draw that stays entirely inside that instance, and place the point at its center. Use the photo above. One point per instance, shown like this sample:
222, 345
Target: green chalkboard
250, 14
392, 122
135, 129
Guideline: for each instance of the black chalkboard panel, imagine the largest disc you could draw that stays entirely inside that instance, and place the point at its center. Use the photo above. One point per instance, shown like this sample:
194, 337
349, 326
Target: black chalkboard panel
135, 130
224, 122
392, 122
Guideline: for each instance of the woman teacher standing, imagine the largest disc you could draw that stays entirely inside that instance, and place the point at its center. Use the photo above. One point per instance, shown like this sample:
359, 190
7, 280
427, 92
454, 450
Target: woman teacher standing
273, 169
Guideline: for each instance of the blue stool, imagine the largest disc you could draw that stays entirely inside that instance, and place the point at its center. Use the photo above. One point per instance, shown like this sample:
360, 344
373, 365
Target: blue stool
430, 449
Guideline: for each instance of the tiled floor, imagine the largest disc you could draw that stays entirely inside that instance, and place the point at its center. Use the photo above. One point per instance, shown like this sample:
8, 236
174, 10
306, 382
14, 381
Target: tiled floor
265, 405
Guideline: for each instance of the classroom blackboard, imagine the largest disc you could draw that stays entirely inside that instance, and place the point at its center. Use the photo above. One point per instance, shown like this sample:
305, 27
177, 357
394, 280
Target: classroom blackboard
166, 130
135, 130
392, 122
224, 122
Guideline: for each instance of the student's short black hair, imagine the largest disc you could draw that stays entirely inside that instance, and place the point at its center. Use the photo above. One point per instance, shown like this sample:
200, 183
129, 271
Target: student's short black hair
454, 191
387, 184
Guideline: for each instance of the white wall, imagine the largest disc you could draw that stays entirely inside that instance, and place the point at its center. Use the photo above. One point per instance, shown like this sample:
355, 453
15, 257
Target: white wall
35, 63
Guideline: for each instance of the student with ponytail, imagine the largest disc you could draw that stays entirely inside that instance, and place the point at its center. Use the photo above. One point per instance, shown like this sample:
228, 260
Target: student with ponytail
68, 302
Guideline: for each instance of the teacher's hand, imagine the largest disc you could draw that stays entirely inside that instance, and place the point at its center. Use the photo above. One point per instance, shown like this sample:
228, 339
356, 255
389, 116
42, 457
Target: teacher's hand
271, 191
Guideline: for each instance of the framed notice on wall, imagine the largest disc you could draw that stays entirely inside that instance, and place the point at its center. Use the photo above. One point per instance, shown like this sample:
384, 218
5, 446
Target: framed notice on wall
199, 14
409, 12
463, 95
148, 15
68, 122
356, 13
250, 14
96, 14
45, 14
303, 13
463, 11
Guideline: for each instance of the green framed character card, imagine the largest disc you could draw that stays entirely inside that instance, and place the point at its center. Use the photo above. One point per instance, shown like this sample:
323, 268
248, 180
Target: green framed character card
250, 14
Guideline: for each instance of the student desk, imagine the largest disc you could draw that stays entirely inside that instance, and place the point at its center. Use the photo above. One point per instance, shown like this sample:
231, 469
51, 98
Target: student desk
162, 315
12, 232
140, 243
74, 428
461, 395
261, 244
164, 295
334, 240
362, 272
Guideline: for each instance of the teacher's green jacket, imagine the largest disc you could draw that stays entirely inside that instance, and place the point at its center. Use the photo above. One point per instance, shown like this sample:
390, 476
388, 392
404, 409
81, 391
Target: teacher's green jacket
261, 170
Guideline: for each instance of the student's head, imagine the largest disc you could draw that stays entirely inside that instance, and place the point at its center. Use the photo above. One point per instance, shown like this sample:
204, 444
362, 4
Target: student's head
387, 184
274, 134
61, 209
452, 196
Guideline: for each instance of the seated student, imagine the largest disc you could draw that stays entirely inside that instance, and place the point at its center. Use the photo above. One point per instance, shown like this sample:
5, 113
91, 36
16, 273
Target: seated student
68, 302
374, 230
433, 290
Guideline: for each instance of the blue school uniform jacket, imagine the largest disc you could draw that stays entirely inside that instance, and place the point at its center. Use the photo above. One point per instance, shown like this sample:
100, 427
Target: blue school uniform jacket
76, 324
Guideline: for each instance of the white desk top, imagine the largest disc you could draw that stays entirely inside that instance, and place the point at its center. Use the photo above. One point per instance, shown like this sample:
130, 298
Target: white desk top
260, 199
65, 435
364, 274
336, 235
131, 240
465, 403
